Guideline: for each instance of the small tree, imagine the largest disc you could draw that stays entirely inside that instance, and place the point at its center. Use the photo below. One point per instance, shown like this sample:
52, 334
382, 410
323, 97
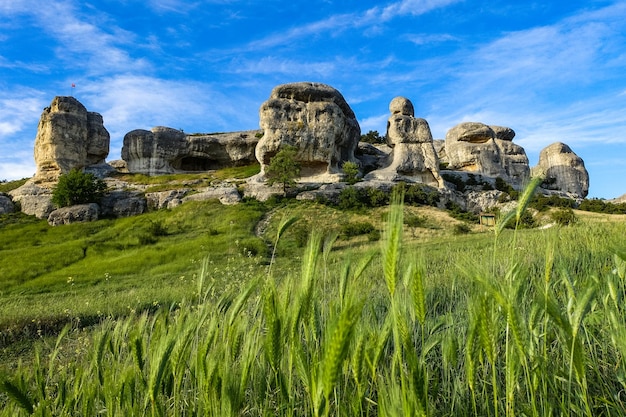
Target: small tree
77, 187
283, 168
351, 171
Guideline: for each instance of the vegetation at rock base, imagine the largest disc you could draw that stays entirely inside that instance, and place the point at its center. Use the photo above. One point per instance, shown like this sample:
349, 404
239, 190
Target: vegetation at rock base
77, 187
283, 168
351, 171
493, 323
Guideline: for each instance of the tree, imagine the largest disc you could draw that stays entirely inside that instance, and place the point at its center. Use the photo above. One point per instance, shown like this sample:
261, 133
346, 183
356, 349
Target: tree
372, 137
351, 171
77, 187
283, 168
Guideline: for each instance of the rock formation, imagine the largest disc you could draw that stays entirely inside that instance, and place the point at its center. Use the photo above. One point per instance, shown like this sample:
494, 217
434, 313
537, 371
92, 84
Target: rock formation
316, 120
68, 137
6, 204
164, 150
74, 214
562, 170
487, 150
413, 157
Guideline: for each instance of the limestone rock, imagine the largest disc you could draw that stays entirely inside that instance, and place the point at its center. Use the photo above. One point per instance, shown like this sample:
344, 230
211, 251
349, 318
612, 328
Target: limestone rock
74, 214
503, 133
316, 120
6, 204
371, 157
164, 150
68, 137
413, 157
34, 200
120, 203
227, 195
476, 147
563, 170
166, 199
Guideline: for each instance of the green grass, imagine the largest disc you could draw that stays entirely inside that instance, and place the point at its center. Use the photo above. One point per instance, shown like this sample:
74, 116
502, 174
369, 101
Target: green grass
522, 322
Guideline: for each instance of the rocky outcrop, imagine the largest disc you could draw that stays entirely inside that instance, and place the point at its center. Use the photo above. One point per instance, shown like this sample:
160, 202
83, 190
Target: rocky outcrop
164, 150
316, 120
68, 137
6, 204
166, 199
74, 214
413, 157
34, 200
226, 194
121, 203
562, 170
487, 150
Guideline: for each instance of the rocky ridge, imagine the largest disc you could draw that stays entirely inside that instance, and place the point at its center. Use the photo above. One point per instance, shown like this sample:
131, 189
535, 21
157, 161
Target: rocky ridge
316, 120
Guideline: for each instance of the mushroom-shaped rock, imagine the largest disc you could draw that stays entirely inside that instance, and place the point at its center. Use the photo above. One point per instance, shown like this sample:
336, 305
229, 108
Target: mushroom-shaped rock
413, 157
562, 170
68, 137
316, 120
487, 150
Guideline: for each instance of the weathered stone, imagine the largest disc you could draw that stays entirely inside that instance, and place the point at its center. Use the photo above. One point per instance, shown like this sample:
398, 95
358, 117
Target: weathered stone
316, 120
503, 133
34, 200
119, 203
413, 157
227, 195
74, 214
165, 150
6, 204
476, 147
562, 170
68, 137
166, 199
371, 157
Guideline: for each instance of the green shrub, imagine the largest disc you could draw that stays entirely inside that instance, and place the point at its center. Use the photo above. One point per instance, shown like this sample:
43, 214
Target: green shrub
351, 171
564, 217
77, 187
456, 180
413, 220
461, 229
352, 229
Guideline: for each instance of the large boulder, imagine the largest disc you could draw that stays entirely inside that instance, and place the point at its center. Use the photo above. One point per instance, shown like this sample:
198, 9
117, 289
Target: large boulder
316, 120
413, 157
6, 204
487, 150
562, 170
164, 150
33, 200
74, 214
68, 137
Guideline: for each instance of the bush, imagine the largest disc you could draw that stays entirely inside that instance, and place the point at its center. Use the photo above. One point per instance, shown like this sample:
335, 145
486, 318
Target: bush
349, 230
564, 217
351, 171
77, 187
461, 229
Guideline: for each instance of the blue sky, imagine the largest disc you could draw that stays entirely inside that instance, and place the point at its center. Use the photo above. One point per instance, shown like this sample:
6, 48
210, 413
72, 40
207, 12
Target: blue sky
552, 71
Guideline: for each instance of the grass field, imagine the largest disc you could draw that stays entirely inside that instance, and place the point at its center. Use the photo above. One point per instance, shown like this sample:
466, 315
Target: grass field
178, 312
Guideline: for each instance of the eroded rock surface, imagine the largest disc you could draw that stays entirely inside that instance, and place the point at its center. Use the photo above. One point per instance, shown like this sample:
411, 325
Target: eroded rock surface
68, 137
316, 120
74, 214
413, 157
487, 150
562, 170
6, 204
163, 150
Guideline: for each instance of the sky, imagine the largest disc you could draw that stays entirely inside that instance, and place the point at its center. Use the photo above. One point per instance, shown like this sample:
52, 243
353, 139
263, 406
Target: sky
550, 70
